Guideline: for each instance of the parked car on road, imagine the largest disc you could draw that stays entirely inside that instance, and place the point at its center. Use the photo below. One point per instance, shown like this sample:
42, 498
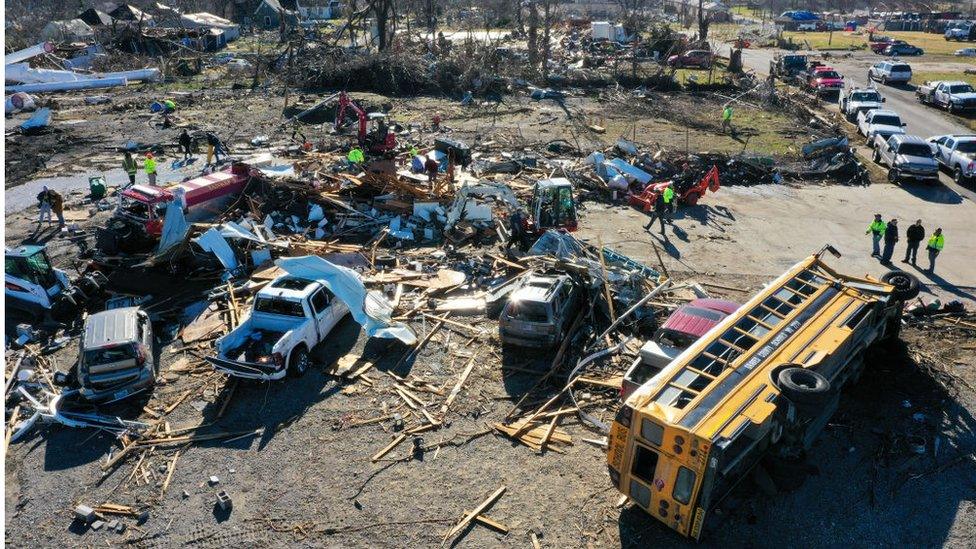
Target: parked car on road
908, 157
858, 100
879, 122
965, 52
289, 318
903, 49
956, 153
700, 59
954, 96
682, 328
881, 44
540, 312
887, 72
115, 359
822, 80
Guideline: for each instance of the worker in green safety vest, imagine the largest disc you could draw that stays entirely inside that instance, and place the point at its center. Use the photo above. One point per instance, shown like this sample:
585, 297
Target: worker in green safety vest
669, 204
130, 166
150, 165
876, 229
356, 156
934, 247
169, 106
727, 119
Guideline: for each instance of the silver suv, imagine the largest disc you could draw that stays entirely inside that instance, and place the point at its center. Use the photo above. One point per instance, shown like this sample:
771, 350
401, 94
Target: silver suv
539, 313
116, 357
888, 72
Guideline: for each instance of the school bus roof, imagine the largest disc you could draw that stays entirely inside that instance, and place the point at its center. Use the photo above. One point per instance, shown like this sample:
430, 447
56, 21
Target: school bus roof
690, 395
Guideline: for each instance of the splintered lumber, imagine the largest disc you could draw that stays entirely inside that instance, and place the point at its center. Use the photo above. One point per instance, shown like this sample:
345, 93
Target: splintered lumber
386, 450
548, 435
493, 524
468, 517
457, 388
613, 383
169, 473
534, 433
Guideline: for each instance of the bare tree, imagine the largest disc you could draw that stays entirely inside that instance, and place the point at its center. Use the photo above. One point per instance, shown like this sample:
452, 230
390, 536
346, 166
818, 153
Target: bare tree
533, 40
385, 13
702, 22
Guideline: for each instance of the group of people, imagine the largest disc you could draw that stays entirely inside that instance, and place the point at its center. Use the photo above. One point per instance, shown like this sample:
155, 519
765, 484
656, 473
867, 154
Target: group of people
888, 234
215, 148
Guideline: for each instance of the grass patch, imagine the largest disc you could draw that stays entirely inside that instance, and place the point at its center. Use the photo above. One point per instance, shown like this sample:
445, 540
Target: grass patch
746, 11
826, 40
932, 44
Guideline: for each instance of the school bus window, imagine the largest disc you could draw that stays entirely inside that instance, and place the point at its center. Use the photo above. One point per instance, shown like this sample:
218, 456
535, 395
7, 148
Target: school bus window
749, 324
778, 306
652, 432
787, 296
683, 485
709, 365
645, 462
861, 312
740, 340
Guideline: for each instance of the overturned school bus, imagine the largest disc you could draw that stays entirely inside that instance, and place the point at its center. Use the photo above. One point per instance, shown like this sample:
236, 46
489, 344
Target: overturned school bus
761, 383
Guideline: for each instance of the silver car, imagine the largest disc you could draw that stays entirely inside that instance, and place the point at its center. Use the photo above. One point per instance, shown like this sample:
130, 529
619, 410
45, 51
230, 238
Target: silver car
888, 72
116, 357
540, 312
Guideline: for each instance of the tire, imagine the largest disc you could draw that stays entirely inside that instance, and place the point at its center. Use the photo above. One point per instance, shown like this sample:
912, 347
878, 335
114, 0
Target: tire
803, 386
876, 156
884, 80
950, 108
385, 261
957, 175
892, 176
692, 198
906, 285
299, 362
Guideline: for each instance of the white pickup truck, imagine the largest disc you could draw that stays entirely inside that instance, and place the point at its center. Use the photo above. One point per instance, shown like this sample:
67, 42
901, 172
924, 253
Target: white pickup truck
858, 100
956, 153
956, 97
290, 317
879, 122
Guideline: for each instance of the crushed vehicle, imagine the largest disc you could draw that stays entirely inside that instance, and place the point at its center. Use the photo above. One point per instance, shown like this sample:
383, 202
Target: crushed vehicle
908, 157
879, 122
116, 358
699, 59
887, 72
821, 80
956, 153
539, 313
788, 65
954, 96
682, 328
756, 390
35, 289
881, 44
858, 100
289, 317
139, 218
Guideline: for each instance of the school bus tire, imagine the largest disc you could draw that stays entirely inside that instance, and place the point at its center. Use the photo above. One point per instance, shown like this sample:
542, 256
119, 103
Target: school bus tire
803, 386
906, 285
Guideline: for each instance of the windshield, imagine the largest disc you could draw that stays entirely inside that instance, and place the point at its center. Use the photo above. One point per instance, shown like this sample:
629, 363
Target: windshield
828, 74
967, 147
915, 149
865, 96
961, 88
529, 311
34, 268
110, 355
886, 120
278, 306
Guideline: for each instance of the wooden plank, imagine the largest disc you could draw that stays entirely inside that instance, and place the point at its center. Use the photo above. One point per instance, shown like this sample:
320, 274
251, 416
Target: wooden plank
386, 450
457, 387
613, 383
548, 435
468, 517
493, 524
169, 474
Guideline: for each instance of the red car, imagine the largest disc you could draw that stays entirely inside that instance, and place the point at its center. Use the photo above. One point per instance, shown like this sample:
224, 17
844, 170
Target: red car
685, 325
701, 59
824, 80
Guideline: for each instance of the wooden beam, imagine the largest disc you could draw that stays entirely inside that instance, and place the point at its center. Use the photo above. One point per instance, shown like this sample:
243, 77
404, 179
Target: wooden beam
468, 517
386, 450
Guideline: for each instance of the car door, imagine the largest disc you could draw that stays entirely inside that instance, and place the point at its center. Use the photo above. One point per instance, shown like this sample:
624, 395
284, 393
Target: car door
322, 312
945, 150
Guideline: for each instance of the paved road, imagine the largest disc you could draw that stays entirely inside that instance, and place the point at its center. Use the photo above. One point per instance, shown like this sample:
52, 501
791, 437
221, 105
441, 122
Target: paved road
920, 119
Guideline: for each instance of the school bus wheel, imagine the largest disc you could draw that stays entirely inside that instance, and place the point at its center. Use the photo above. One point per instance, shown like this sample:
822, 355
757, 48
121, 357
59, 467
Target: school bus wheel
802, 386
906, 285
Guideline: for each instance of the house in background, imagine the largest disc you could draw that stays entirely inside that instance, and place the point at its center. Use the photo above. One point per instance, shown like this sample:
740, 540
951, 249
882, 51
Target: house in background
320, 10
269, 13
227, 30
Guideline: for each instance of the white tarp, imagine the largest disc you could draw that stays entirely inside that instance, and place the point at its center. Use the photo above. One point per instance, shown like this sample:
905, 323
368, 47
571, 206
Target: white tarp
175, 227
370, 308
212, 241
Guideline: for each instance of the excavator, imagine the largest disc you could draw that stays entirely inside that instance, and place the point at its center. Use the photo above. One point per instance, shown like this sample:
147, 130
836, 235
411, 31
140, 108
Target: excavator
380, 139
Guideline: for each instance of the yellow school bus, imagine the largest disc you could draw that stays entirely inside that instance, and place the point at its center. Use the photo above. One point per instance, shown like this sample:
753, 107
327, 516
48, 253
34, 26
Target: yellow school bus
763, 382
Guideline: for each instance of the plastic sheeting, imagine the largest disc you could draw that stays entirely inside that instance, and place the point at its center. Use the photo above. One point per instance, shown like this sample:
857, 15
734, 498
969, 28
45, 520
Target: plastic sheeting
212, 241
370, 308
175, 227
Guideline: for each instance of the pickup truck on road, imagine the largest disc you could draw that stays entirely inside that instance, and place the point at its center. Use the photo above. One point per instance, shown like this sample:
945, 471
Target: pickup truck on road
787, 66
290, 317
822, 80
956, 96
908, 157
879, 122
858, 100
957, 153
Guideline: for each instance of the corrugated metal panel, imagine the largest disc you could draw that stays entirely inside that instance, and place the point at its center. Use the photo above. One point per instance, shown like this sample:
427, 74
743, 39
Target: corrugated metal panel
109, 327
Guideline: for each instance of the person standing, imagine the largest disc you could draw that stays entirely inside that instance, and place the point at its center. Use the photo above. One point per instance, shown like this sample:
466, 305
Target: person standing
44, 201
185, 143
877, 230
150, 165
130, 166
668, 196
213, 148
890, 238
658, 213
356, 156
727, 119
934, 247
431, 167
914, 235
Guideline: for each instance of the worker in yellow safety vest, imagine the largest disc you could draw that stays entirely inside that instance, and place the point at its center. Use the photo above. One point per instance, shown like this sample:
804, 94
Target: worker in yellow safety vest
669, 205
934, 247
877, 230
727, 119
130, 166
356, 156
150, 165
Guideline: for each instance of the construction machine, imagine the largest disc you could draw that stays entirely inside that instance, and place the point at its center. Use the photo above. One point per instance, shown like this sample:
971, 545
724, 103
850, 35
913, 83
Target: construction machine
380, 139
686, 195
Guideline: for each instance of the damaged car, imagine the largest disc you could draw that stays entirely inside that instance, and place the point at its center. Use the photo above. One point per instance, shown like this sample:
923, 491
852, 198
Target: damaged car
540, 312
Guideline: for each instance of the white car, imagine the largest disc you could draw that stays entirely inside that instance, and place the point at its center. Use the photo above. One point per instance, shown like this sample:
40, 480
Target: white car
966, 52
879, 122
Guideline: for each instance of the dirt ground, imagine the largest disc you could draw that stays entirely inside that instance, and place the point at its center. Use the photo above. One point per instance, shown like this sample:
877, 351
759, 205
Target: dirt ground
307, 479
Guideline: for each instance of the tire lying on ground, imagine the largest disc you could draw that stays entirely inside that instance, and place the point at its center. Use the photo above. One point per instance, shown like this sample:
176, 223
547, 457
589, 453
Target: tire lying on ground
807, 389
906, 285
